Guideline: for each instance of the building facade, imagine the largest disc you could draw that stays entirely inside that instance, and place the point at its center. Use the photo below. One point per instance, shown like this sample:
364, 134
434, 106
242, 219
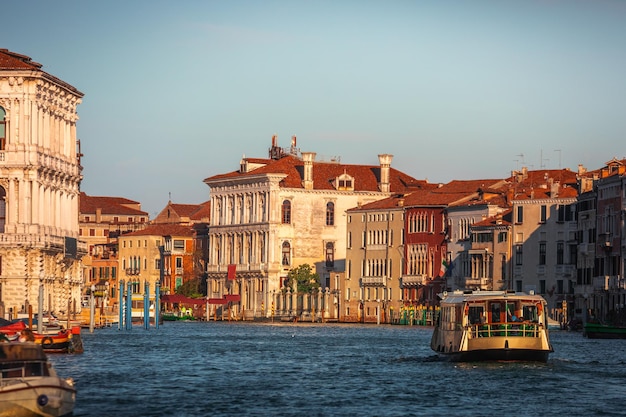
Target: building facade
101, 221
278, 213
544, 236
372, 291
40, 175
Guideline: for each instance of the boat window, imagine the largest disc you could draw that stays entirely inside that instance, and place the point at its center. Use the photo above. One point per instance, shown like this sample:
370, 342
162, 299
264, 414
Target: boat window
511, 313
530, 313
475, 314
495, 313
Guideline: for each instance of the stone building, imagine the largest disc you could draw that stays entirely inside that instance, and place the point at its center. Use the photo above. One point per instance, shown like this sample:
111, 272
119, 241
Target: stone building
278, 213
40, 175
544, 235
102, 219
372, 291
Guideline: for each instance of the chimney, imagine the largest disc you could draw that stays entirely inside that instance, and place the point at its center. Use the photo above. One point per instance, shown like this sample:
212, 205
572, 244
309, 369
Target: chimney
385, 165
243, 165
308, 158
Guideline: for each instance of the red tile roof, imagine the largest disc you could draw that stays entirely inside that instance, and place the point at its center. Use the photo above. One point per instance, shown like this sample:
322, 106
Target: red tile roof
11, 61
203, 212
366, 177
109, 205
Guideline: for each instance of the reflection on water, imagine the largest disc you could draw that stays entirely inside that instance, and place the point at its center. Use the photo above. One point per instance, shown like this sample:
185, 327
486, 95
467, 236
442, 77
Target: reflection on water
225, 369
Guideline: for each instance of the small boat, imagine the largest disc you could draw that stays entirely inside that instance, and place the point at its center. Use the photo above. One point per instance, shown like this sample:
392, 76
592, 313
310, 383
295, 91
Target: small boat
597, 330
492, 326
30, 386
62, 341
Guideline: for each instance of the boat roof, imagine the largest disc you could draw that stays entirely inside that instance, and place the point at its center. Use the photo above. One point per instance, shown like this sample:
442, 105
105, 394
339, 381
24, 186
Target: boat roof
459, 297
21, 351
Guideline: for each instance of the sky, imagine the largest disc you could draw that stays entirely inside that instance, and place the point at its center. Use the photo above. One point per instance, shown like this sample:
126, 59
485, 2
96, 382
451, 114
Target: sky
175, 92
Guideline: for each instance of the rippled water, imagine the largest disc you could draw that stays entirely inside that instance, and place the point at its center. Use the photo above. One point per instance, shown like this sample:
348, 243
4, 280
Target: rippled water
228, 369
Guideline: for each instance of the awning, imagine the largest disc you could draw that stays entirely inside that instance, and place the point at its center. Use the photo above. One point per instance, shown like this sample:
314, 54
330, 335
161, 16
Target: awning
218, 301
232, 297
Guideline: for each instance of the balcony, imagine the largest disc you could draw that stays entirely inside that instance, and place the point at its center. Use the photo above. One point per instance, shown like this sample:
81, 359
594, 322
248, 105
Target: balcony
132, 271
413, 280
374, 281
240, 267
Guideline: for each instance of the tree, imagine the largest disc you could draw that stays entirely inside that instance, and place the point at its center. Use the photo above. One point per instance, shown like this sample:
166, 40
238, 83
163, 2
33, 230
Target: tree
306, 280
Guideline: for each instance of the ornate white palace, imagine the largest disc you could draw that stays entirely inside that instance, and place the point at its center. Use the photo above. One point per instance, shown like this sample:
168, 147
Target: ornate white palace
40, 174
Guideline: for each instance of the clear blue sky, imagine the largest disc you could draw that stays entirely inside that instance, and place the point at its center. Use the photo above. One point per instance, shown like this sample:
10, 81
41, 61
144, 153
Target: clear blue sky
178, 91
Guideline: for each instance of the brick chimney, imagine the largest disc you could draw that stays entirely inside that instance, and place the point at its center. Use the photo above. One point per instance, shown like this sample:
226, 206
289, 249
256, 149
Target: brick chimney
308, 158
385, 166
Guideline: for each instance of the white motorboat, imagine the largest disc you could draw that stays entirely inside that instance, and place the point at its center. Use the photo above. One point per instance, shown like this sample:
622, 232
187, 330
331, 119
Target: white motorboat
29, 385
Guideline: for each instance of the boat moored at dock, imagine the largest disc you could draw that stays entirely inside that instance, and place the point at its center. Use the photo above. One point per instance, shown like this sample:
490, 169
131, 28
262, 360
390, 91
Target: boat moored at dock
492, 326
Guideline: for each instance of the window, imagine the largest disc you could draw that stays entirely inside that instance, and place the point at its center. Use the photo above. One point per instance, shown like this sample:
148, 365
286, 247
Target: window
330, 214
542, 253
543, 214
559, 253
519, 255
286, 254
179, 244
330, 255
3, 130
286, 212
520, 215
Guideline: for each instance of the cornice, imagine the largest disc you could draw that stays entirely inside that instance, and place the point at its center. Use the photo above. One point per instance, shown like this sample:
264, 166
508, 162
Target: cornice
545, 201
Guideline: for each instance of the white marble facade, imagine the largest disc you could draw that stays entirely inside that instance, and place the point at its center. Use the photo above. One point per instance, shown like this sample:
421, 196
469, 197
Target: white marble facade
40, 174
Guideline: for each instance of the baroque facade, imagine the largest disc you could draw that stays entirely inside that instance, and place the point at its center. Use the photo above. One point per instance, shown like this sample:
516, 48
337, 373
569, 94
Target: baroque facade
278, 213
40, 175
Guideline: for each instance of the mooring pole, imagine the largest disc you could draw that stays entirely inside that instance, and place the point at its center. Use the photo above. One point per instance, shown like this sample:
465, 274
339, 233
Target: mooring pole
146, 305
120, 323
129, 307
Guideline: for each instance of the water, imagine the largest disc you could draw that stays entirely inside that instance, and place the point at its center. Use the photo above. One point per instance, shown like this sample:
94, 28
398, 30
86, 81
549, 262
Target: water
227, 369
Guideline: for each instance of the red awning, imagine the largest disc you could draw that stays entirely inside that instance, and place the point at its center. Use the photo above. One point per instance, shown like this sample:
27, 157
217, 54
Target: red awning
232, 297
181, 299
217, 301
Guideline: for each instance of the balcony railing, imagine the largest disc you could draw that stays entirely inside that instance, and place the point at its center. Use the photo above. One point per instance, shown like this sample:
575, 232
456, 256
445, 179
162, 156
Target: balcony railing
239, 267
413, 279
374, 281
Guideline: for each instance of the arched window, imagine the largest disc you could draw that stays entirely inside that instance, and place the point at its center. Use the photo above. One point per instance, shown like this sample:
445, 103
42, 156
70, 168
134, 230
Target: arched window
286, 251
3, 130
330, 214
286, 212
330, 254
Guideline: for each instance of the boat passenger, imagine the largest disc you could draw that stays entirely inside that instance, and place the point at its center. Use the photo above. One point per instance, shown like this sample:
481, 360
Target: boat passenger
26, 335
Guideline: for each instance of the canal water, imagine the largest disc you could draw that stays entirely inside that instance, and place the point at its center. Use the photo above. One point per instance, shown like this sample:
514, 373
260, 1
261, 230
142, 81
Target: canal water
242, 369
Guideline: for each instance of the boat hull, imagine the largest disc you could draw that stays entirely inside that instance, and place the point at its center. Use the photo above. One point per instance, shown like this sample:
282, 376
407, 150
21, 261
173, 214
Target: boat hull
604, 331
499, 355
50, 396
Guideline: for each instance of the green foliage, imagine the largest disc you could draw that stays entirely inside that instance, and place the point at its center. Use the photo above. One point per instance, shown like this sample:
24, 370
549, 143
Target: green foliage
194, 288
304, 277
